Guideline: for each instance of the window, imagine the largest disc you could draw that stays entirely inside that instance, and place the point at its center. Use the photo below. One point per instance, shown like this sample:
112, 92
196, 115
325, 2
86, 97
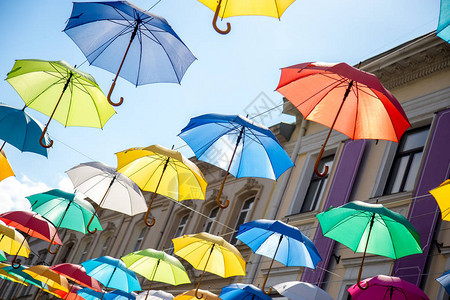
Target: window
140, 239
406, 164
42, 256
246, 207
181, 226
67, 250
85, 251
211, 219
105, 246
317, 185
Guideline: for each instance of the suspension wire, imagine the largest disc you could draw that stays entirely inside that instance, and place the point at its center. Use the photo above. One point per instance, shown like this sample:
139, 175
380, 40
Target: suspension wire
154, 5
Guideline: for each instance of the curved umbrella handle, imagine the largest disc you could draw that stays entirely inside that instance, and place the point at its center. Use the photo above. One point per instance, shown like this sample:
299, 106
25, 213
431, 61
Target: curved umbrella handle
146, 218
196, 294
89, 224
13, 263
41, 139
361, 287
50, 245
214, 22
316, 165
110, 93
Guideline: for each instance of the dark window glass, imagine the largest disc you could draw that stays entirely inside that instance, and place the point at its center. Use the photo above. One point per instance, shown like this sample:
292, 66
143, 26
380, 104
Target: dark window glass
211, 218
242, 218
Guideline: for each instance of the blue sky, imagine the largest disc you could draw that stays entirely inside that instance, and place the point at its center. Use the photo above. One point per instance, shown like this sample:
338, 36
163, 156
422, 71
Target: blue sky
236, 73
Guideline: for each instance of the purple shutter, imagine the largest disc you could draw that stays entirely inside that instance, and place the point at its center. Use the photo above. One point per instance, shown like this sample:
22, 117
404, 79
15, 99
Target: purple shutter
424, 212
340, 190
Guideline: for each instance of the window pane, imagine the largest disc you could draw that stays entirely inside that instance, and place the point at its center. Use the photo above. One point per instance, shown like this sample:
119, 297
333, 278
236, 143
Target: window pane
414, 139
397, 173
311, 195
413, 172
246, 207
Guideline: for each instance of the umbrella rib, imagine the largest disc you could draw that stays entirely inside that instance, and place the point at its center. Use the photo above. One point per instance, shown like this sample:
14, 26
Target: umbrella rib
139, 36
162, 174
43, 91
340, 222
151, 37
70, 103
356, 92
84, 89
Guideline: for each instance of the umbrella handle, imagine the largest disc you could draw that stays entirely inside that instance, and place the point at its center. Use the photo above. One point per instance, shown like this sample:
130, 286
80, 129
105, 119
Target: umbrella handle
227, 202
13, 263
146, 218
110, 92
50, 245
316, 166
196, 294
41, 139
214, 22
89, 224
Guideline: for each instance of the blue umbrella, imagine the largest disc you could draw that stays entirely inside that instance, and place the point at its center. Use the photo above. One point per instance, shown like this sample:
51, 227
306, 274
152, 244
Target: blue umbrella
19, 129
106, 31
238, 145
443, 30
444, 280
279, 241
242, 292
112, 273
88, 294
119, 295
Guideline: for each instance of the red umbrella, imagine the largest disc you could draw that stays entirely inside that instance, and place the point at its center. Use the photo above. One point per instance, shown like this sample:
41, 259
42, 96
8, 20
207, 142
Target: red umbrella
33, 225
344, 98
72, 295
77, 273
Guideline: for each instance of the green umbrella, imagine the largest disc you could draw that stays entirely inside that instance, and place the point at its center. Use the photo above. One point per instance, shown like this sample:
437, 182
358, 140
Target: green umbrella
370, 228
156, 266
2, 256
60, 91
65, 210
23, 277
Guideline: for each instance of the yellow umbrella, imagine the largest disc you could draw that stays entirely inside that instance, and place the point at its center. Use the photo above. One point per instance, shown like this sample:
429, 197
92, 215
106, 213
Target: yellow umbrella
162, 171
12, 242
210, 253
5, 168
190, 295
442, 196
49, 277
230, 8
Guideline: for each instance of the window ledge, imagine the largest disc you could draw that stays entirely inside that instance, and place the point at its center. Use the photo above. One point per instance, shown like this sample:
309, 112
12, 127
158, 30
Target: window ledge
302, 217
392, 198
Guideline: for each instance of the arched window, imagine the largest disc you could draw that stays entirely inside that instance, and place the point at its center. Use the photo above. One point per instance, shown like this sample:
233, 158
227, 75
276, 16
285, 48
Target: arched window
243, 217
211, 219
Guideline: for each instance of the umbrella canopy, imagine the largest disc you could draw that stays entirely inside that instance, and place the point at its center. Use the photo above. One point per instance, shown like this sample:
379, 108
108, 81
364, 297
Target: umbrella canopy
108, 188
387, 288
443, 30
237, 145
279, 241
77, 273
5, 168
210, 253
2, 255
21, 130
88, 294
444, 280
48, 277
162, 171
119, 295
72, 295
154, 295
129, 41
192, 295
61, 92
242, 291
8, 276
112, 273
442, 196
343, 98
65, 210
23, 277
12, 242
370, 228
297, 290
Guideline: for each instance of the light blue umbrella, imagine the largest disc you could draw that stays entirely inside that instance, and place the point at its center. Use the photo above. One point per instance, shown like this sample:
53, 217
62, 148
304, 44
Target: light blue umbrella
19, 129
443, 30
112, 273
89, 294
119, 295
239, 291
279, 241
238, 145
444, 280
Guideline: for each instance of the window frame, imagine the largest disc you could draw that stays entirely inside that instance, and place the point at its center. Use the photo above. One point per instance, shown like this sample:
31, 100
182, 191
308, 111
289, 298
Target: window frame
140, 239
211, 219
247, 211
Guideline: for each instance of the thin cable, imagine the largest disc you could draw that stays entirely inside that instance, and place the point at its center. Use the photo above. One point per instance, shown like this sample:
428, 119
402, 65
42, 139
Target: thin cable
154, 5
70, 147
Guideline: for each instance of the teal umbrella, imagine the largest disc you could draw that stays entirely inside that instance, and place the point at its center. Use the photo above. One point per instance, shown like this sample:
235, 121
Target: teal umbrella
2, 256
65, 210
443, 30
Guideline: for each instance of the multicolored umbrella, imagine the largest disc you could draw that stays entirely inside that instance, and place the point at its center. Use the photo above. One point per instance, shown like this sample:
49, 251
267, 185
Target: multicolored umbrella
108, 188
301, 291
279, 241
77, 273
5, 168
192, 295
162, 171
443, 30
442, 196
384, 287
210, 253
343, 98
24, 277
444, 280
243, 292
370, 228
237, 145
107, 31
231, 8
64, 210
61, 92
156, 266
21, 130
48, 277
12, 242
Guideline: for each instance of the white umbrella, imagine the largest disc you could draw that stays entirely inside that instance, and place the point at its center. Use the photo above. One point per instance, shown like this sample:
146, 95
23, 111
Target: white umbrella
155, 295
301, 291
108, 188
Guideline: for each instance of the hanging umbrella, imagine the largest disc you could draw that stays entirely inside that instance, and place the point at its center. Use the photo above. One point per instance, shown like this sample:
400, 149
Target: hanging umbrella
112, 273
12, 242
61, 92
9, 277
5, 168
384, 287
301, 291
88, 294
343, 98
33, 225
65, 210
444, 280
154, 295
72, 295
442, 196
210, 253
108, 188
156, 266
2, 255
246, 149
119, 295
443, 30
162, 171
22, 276
243, 292
48, 277
370, 228
21, 130
118, 34
77, 273
270, 8
279, 241
192, 295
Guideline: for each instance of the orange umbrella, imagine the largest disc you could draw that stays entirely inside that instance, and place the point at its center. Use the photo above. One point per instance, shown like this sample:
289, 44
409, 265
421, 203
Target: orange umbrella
5, 168
344, 98
49, 277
